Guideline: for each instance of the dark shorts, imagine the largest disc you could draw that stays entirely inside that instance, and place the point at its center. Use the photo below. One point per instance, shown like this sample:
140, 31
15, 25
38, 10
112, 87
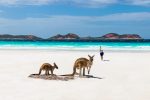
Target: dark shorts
101, 53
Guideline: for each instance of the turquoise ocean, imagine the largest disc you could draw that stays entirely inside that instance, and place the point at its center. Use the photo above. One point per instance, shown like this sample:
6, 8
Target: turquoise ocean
110, 46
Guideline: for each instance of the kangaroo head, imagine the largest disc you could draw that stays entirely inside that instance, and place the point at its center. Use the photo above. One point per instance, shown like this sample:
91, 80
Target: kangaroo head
91, 58
55, 66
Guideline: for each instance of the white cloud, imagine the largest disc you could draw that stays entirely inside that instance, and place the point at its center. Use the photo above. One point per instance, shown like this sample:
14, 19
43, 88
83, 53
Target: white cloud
26, 2
67, 19
132, 22
139, 2
134, 16
7, 2
91, 3
87, 3
94, 3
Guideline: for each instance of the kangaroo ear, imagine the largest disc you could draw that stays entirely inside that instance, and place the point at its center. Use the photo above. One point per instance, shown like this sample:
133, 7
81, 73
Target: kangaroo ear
89, 55
93, 56
54, 63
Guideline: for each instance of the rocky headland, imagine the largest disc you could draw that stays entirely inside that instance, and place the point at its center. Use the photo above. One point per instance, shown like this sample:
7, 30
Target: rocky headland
74, 37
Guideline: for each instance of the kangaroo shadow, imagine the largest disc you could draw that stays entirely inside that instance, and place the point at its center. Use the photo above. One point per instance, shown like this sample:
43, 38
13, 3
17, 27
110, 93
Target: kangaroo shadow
91, 76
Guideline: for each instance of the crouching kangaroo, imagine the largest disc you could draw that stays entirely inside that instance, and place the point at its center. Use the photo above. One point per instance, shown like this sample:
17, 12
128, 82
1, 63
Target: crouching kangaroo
48, 67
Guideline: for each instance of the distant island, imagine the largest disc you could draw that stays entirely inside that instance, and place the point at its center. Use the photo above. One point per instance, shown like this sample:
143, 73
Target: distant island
107, 36
19, 37
74, 37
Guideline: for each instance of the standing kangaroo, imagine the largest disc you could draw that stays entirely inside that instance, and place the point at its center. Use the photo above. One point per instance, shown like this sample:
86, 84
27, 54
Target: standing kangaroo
48, 67
82, 63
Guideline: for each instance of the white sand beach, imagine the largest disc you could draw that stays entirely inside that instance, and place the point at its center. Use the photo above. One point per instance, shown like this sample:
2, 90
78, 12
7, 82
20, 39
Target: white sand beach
125, 76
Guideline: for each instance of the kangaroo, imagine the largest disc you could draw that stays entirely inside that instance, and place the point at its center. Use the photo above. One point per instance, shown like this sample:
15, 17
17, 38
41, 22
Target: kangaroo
82, 63
48, 67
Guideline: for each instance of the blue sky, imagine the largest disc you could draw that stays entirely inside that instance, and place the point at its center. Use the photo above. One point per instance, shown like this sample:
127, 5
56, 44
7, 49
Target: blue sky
46, 18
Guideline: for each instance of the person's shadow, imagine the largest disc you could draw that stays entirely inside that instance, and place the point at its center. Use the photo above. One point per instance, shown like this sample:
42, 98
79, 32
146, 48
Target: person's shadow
106, 60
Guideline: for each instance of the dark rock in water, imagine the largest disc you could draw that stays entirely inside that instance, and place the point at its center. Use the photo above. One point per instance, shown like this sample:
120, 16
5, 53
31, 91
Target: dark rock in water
54, 77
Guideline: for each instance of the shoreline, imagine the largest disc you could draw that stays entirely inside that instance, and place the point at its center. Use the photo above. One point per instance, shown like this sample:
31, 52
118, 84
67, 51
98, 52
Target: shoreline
75, 50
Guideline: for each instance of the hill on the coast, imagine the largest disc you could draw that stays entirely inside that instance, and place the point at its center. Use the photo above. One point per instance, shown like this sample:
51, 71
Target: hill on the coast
19, 37
123, 36
67, 36
72, 36
106, 36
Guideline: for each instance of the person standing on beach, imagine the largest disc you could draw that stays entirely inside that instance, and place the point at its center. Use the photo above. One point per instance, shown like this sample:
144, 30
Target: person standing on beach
101, 53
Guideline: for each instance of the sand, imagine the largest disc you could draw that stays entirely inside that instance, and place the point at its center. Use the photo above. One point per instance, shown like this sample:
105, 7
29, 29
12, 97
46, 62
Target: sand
122, 76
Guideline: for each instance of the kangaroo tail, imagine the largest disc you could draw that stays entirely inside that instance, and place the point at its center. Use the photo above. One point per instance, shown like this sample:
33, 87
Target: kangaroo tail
67, 75
40, 71
34, 74
74, 71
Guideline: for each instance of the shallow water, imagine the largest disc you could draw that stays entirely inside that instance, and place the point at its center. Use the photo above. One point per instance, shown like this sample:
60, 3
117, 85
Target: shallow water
112, 46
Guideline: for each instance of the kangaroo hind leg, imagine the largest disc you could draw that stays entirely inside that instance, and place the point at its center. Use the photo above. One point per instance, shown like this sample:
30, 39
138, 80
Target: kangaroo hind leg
83, 71
80, 73
46, 73
52, 73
